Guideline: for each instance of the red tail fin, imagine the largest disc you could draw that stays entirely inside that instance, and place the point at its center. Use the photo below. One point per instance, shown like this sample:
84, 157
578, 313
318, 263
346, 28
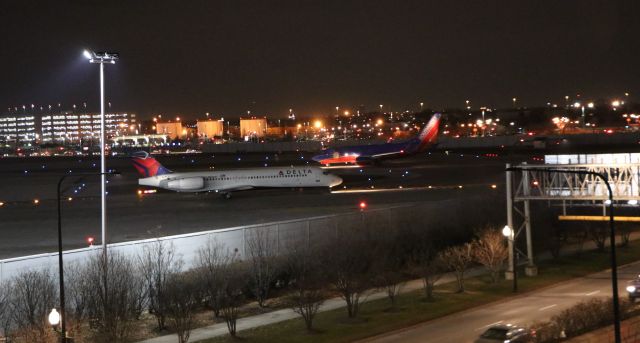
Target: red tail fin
147, 166
429, 134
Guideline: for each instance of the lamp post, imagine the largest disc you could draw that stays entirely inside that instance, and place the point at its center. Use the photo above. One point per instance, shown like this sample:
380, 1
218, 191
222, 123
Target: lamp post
511, 237
612, 238
60, 315
102, 58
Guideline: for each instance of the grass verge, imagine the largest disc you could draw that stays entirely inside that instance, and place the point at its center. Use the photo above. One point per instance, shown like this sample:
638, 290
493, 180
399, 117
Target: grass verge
376, 317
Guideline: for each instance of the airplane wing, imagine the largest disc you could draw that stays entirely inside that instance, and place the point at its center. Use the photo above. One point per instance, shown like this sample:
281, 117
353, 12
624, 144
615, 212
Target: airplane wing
235, 188
387, 154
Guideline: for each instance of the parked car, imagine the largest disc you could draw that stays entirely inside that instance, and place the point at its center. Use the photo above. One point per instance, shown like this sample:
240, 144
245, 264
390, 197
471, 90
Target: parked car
505, 333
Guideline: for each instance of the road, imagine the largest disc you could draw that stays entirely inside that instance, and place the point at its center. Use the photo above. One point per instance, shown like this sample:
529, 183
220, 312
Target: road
523, 310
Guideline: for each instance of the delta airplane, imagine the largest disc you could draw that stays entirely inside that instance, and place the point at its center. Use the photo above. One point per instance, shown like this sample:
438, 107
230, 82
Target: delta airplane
367, 154
227, 181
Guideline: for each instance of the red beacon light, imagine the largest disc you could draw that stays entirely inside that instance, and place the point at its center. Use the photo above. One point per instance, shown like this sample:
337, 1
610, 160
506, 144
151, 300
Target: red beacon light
90, 241
363, 205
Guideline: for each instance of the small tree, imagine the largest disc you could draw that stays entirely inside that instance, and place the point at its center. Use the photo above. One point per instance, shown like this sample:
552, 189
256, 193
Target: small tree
490, 251
231, 296
262, 263
182, 298
115, 298
387, 270
598, 232
309, 277
6, 320
212, 260
349, 260
426, 263
158, 263
33, 296
457, 259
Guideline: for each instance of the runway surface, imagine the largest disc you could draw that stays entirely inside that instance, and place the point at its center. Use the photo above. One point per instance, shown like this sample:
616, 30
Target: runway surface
27, 227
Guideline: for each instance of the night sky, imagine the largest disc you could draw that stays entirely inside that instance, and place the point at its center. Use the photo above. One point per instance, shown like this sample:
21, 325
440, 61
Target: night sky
227, 57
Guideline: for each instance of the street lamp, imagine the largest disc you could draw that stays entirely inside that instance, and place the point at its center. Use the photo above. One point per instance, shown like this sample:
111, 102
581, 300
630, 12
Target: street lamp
102, 58
612, 238
52, 315
508, 233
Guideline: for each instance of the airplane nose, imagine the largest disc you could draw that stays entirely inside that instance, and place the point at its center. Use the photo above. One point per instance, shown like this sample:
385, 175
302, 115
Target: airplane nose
335, 181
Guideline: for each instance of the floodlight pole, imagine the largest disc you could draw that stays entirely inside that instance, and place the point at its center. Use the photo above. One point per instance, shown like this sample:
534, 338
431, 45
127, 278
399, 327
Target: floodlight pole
102, 58
612, 237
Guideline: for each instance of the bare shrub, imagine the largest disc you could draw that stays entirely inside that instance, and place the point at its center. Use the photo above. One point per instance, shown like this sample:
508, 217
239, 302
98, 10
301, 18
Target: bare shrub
213, 258
426, 263
491, 251
309, 278
33, 295
262, 263
234, 277
78, 294
182, 299
158, 263
598, 232
117, 290
6, 319
581, 318
624, 229
457, 259
387, 270
349, 260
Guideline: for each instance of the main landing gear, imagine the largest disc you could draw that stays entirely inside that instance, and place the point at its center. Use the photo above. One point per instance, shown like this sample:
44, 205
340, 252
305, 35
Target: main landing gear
226, 196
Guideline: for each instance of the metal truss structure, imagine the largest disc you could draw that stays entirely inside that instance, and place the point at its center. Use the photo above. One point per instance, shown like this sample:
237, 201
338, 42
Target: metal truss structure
563, 183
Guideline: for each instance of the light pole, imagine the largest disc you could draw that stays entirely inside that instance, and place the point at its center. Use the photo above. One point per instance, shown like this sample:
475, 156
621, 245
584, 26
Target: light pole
511, 237
102, 58
612, 238
52, 316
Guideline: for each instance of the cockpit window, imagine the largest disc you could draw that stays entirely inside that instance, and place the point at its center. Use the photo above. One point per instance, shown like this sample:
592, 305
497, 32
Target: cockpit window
325, 173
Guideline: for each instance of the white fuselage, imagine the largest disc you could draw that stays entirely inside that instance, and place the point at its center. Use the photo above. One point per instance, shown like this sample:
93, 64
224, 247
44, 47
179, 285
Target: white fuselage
243, 179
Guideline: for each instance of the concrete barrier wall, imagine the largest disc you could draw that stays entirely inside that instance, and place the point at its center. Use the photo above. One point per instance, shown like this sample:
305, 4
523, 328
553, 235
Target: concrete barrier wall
235, 240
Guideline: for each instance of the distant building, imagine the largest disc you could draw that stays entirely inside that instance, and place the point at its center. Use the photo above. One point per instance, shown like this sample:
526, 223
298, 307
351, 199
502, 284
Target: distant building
208, 129
18, 129
254, 127
70, 127
64, 127
172, 129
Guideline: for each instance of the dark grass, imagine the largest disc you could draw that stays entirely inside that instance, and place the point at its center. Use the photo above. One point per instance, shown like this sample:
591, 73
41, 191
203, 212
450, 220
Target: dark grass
412, 308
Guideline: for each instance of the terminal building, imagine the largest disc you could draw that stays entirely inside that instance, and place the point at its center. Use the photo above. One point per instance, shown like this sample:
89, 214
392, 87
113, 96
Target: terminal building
64, 127
75, 128
18, 130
